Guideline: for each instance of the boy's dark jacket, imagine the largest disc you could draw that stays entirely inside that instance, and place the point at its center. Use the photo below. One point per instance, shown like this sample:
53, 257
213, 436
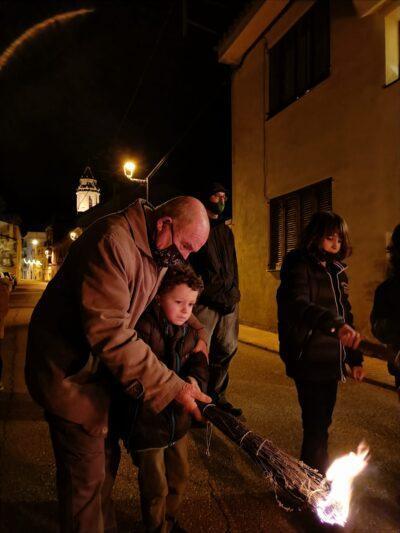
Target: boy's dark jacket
308, 309
385, 317
141, 428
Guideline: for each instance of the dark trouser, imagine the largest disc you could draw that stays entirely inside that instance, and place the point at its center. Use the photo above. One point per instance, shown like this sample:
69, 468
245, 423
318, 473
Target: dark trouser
86, 470
163, 475
223, 343
317, 401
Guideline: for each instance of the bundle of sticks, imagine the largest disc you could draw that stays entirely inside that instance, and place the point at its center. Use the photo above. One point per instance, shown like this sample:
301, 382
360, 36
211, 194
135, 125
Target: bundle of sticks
296, 484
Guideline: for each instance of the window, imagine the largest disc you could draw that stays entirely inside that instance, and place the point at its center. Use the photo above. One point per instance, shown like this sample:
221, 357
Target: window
392, 44
301, 59
289, 214
90, 202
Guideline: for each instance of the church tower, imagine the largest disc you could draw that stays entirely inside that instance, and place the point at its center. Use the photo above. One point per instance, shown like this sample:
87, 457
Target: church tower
87, 194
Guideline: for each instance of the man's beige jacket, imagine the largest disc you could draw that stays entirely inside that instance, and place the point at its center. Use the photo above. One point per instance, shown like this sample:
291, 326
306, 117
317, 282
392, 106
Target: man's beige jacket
82, 334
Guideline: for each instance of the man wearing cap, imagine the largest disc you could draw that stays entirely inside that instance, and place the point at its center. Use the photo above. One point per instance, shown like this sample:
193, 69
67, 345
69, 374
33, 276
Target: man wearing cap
217, 309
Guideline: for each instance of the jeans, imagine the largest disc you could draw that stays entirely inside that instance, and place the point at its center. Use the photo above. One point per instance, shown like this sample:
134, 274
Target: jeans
222, 342
317, 401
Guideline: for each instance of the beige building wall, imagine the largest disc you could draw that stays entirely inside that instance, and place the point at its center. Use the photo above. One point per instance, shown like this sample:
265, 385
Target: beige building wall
346, 128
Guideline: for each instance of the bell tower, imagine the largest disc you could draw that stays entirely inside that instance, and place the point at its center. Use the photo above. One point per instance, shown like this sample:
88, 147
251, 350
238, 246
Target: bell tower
87, 193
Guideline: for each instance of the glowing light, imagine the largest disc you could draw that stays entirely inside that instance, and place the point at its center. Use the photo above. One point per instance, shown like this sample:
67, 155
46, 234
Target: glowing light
35, 262
334, 507
35, 242
129, 169
73, 235
34, 31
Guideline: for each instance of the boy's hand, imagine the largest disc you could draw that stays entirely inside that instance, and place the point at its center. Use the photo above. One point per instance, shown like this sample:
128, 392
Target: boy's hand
187, 398
357, 373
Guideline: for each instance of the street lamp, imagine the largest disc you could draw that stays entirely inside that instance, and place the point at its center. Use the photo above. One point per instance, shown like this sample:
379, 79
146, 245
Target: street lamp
129, 170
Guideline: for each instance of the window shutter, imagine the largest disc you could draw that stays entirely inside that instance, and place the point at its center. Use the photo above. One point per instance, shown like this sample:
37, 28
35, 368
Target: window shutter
291, 222
290, 214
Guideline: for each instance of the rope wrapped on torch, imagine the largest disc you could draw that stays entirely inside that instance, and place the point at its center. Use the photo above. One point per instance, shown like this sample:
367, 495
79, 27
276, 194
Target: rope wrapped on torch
294, 482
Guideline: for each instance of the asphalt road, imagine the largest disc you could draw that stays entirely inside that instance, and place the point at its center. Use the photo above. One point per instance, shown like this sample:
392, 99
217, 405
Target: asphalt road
226, 492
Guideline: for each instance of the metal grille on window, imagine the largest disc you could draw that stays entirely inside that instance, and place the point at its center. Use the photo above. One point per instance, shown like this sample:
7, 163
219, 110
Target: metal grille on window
289, 214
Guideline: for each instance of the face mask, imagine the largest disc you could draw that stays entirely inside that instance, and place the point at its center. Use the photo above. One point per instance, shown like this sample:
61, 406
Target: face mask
168, 257
216, 208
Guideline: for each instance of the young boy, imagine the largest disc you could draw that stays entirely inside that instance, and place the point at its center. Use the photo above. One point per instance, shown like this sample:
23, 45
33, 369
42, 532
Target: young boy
158, 442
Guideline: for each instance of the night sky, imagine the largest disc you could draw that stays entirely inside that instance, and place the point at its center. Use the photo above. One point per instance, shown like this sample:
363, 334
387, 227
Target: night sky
128, 79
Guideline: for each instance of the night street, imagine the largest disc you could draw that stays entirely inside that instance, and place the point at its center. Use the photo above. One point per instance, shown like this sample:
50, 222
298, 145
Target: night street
226, 493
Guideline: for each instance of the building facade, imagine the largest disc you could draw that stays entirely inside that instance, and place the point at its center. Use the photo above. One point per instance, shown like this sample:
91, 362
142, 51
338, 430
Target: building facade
315, 125
10, 248
35, 260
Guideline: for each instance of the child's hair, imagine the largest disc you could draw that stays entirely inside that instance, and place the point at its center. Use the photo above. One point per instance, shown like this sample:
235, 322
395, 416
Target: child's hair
181, 275
323, 224
394, 251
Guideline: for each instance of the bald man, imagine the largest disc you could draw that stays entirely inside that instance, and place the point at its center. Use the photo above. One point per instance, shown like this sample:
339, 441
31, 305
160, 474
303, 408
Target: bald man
82, 341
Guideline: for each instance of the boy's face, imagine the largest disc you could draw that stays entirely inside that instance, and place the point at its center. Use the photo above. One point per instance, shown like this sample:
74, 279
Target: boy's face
178, 303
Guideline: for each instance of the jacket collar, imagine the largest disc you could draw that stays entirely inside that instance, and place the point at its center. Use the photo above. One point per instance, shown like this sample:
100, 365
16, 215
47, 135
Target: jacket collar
135, 214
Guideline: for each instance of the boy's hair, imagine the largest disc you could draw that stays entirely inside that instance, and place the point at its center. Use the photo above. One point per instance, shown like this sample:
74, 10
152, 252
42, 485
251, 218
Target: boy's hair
323, 224
181, 275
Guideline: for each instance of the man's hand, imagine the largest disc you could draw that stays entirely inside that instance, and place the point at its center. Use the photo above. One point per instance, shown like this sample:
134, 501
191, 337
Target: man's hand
357, 373
187, 396
349, 337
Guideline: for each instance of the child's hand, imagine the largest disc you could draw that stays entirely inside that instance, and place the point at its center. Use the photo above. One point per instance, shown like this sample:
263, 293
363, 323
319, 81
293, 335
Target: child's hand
349, 337
187, 398
357, 373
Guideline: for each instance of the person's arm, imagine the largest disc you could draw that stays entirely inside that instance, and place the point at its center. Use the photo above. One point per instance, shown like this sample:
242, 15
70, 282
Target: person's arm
201, 345
105, 300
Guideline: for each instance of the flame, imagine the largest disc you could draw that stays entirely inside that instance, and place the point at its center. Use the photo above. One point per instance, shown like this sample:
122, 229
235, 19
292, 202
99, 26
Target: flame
334, 507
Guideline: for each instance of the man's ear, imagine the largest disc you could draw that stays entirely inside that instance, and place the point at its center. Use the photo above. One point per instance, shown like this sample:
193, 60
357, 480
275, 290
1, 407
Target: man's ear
163, 221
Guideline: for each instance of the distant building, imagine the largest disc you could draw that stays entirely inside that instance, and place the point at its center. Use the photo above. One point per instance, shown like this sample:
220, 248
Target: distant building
34, 257
315, 125
10, 248
87, 193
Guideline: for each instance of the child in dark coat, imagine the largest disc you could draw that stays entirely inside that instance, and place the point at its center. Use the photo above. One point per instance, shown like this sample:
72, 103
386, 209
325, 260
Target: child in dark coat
158, 442
315, 327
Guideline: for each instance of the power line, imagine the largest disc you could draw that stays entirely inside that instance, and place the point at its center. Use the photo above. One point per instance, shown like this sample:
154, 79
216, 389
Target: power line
145, 69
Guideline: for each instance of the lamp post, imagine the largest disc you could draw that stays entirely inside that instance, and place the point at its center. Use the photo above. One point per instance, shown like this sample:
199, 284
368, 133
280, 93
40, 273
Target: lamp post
129, 170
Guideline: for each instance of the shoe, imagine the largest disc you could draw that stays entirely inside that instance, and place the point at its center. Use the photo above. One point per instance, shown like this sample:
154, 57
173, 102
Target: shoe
228, 408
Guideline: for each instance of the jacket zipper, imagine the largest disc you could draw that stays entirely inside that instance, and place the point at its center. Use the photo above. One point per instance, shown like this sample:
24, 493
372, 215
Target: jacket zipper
173, 421
342, 378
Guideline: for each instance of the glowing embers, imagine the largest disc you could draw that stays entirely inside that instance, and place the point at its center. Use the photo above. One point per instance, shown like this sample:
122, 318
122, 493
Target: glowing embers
334, 507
